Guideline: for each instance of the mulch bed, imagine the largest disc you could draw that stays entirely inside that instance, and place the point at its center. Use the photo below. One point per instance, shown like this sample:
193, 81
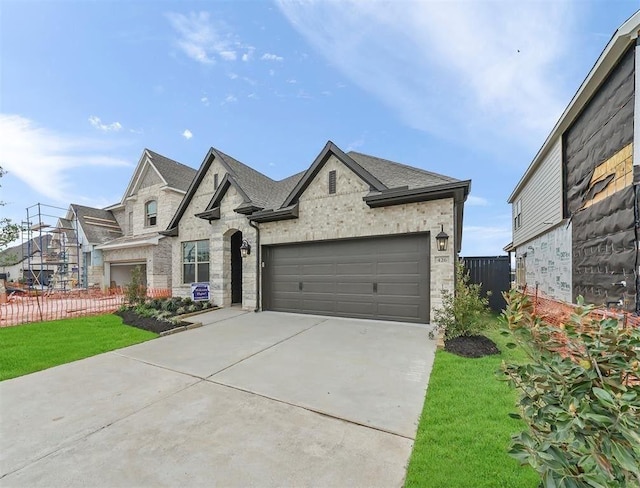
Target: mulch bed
151, 324
475, 346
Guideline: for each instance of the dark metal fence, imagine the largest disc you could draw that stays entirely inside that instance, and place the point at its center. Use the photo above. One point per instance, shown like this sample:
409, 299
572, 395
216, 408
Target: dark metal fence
494, 273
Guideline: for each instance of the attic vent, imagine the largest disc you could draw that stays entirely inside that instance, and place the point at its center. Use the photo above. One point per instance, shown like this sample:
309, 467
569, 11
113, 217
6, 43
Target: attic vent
332, 181
215, 181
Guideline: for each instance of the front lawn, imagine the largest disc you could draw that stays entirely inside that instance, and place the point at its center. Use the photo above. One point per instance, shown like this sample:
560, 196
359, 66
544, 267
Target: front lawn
465, 429
33, 347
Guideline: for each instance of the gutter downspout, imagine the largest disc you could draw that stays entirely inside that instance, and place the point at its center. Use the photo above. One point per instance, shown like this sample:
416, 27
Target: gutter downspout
258, 277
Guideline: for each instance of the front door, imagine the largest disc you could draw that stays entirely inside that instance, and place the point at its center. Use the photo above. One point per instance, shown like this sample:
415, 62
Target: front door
236, 268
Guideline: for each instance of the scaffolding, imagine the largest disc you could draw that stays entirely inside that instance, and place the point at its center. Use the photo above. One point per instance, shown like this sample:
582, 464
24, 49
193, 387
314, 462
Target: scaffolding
53, 248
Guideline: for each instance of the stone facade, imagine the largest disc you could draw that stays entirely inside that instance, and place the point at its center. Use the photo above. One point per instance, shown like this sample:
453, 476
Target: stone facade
344, 214
156, 257
219, 233
322, 216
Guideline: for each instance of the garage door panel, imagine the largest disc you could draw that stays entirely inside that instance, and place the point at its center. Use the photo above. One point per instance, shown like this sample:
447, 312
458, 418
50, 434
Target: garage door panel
318, 269
383, 277
363, 309
399, 267
317, 305
288, 270
399, 289
355, 288
390, 310
310, 287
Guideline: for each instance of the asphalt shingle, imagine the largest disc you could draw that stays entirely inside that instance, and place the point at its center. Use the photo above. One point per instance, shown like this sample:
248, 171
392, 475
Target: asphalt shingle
177, 175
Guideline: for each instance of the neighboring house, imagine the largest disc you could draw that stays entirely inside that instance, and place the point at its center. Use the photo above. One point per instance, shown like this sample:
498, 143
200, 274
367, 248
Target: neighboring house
353, 235
575, 210
151, 199
16, 266
95, 227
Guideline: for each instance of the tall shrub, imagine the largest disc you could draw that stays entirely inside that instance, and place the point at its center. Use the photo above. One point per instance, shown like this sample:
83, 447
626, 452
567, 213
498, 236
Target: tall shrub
463, 311
579, 396
136, 292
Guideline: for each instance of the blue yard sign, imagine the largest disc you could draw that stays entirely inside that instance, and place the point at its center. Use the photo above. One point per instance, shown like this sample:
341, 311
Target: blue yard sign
199, 291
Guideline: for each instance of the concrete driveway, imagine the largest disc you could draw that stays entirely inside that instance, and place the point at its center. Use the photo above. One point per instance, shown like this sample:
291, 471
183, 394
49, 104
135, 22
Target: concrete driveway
265, 399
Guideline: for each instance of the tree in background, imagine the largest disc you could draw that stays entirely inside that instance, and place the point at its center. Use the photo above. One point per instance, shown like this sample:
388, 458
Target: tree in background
9, 231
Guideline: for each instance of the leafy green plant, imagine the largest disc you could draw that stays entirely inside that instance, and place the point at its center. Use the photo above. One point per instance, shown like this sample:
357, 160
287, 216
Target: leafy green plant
463, 311
136, 292
579, 395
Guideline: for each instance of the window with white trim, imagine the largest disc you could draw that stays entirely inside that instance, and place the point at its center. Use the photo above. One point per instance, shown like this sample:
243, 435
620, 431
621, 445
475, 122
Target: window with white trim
195, 261
517, 214
151, 213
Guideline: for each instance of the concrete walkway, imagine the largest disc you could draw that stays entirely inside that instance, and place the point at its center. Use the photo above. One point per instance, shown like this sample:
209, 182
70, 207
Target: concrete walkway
249, 399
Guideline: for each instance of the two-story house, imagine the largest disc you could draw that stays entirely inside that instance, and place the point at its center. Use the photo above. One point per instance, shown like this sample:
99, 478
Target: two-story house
575, 209
152, 197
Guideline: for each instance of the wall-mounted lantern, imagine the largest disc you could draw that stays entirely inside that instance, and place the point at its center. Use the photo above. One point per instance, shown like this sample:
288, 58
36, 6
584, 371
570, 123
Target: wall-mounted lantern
245, 248
441, 239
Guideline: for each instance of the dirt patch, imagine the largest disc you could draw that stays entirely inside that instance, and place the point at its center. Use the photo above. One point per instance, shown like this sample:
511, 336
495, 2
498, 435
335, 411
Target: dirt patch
151, 324
475, 346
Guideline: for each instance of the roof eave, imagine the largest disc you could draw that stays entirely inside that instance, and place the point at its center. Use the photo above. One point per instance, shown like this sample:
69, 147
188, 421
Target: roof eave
458, 190
212, 214
286, 213
615, 48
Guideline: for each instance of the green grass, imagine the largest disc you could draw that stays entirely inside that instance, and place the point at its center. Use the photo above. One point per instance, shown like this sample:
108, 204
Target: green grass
465, 429
28, 348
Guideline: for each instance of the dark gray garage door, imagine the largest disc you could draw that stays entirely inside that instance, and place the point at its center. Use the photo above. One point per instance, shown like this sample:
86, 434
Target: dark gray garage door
383, 278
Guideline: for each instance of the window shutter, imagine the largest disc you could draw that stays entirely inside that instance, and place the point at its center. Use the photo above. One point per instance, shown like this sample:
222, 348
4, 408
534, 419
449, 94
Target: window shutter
332, 181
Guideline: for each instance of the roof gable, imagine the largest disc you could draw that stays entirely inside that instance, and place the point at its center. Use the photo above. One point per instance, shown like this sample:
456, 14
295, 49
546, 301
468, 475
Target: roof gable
98, 225
330, 149
170, 173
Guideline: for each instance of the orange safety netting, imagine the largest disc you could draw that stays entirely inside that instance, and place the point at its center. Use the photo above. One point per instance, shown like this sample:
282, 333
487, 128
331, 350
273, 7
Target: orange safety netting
35, 306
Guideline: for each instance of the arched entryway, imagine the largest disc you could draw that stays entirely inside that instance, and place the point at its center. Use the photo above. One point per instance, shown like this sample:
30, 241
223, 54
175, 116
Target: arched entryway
236, 268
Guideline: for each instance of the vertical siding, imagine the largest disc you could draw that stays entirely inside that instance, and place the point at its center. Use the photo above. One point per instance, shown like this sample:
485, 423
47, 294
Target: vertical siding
541, 198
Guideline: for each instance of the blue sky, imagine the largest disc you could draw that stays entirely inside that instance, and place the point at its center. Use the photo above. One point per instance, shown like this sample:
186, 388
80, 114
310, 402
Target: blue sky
468, 89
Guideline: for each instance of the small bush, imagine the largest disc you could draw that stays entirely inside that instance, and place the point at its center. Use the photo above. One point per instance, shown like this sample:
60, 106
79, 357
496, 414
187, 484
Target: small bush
462, 311
187, 301
156, 303
181, 311
579, 395
192, 308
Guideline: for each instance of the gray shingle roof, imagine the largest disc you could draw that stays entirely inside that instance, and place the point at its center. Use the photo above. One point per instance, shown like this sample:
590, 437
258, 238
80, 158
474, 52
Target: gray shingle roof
177, 175
90, 219
257, 186
18, 253
394, 175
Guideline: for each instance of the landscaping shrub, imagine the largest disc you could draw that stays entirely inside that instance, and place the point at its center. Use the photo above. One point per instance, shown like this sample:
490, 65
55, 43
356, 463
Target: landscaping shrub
135, 292
463, 311
579, 395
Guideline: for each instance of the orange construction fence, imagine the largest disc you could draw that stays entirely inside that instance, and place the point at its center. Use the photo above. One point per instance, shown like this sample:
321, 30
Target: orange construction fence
28, 307
556, 313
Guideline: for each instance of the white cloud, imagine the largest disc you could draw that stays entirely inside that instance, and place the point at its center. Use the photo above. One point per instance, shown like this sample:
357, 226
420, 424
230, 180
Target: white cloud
292, 81
271, 57
248, 56
97, 123
202, 39
187, 134
475, 201
43, 158
205, 101
252, 95
450, 68
229, 99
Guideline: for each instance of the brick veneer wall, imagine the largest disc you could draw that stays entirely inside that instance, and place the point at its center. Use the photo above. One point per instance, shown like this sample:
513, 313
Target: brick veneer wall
321, 216
344, 215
